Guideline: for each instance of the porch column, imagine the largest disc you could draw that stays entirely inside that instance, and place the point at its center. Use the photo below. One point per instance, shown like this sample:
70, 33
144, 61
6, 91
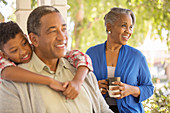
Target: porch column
23, 9
62, 6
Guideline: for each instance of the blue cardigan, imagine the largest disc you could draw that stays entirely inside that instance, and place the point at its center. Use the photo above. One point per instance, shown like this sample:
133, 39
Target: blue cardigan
133, 70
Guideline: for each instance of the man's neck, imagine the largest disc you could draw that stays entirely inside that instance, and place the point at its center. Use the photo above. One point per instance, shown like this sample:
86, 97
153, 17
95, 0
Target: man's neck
51, 63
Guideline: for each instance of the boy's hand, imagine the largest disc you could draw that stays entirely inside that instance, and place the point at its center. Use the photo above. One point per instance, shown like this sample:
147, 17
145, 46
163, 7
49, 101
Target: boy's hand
56, 85
72, 89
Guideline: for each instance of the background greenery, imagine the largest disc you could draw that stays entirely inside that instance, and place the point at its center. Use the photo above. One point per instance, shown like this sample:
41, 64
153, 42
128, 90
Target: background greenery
87, 24
87, 17
87, 29
160, 101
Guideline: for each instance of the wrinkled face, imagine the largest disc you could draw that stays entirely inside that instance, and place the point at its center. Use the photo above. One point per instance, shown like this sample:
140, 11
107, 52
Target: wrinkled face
122, 29
18, 49
53, 37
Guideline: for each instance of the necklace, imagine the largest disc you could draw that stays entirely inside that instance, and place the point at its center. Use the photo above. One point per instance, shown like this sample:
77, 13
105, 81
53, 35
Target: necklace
112, 50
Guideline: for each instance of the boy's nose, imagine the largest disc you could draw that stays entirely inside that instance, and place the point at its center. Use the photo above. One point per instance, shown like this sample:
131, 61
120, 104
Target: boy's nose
22, 51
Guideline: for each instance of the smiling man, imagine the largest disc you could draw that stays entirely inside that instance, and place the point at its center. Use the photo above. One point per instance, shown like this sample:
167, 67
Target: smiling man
48, 33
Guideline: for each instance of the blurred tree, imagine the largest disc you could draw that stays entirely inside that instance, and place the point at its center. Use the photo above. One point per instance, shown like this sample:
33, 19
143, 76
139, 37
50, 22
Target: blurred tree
3, 1
33, 4
87, 18
1, 16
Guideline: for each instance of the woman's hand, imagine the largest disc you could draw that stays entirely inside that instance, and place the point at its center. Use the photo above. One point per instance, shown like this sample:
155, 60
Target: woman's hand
125, 90
103, 86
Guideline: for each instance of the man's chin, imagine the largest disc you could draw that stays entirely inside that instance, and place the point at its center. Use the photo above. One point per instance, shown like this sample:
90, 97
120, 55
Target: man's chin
62, 55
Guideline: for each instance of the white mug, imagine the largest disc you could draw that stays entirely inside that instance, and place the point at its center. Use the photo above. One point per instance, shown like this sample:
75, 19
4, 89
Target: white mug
113, 91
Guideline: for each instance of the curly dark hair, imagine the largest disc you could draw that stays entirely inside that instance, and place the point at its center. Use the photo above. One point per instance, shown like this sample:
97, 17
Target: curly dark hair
8, 30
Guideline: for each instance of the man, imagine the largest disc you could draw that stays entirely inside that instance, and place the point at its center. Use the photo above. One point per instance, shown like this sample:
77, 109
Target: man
48, 34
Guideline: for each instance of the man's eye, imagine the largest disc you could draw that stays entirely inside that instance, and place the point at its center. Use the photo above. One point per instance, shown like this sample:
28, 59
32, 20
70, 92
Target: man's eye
53, 31
64, 29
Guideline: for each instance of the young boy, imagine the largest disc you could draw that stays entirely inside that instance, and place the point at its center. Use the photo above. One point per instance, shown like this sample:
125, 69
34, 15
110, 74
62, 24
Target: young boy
15, 48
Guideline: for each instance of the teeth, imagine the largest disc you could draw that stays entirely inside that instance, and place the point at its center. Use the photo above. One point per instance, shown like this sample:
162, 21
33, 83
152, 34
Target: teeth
125, 37
60, 45
25, 56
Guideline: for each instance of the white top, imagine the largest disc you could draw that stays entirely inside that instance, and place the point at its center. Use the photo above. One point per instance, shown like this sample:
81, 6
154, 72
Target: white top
111, 71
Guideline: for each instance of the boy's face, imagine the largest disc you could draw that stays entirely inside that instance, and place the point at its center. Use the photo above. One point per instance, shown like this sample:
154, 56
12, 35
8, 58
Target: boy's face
18, 49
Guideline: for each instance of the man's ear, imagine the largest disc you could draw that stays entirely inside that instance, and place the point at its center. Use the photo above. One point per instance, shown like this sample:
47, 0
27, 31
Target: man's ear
2, 54
34, 39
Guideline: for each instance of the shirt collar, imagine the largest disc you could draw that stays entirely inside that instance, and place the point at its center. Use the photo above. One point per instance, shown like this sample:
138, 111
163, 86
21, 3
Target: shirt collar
40, 65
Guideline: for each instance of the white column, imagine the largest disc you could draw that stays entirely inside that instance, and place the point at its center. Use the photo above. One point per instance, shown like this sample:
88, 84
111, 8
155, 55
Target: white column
62, 6
23, 9
43, 2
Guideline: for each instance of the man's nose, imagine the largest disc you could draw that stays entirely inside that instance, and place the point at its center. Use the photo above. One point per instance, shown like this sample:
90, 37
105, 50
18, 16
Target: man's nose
61, 36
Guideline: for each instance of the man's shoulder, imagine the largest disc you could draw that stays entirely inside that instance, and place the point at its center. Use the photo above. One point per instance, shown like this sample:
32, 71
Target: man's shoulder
25, 65
66, 64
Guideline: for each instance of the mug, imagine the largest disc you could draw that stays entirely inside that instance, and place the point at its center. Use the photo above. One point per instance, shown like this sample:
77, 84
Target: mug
110, 80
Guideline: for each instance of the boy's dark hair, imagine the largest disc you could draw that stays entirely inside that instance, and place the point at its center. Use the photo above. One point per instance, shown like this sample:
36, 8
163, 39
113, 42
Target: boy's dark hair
33, 22
8, 30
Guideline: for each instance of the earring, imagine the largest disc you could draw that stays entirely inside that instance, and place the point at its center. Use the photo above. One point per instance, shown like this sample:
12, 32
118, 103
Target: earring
109, 32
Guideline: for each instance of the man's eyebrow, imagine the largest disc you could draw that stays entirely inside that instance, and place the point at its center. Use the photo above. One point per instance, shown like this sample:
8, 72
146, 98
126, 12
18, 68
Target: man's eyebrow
51, 28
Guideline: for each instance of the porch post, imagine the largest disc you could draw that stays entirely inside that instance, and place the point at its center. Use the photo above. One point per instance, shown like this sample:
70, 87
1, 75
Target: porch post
23, 9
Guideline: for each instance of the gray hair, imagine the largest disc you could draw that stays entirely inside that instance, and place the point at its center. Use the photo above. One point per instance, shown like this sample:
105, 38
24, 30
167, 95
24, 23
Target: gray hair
33, 22
114, 14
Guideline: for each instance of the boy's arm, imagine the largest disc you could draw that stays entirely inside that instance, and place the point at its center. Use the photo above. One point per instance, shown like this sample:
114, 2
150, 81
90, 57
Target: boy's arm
83, 64
78, 58
9, 71
80, 61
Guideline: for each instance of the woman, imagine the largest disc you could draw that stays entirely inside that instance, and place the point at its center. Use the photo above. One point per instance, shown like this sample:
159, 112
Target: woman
123, 61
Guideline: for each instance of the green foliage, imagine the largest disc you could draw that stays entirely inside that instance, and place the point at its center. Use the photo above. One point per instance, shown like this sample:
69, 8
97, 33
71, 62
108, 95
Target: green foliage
89, 30
33, 4
159, 102
4, 1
